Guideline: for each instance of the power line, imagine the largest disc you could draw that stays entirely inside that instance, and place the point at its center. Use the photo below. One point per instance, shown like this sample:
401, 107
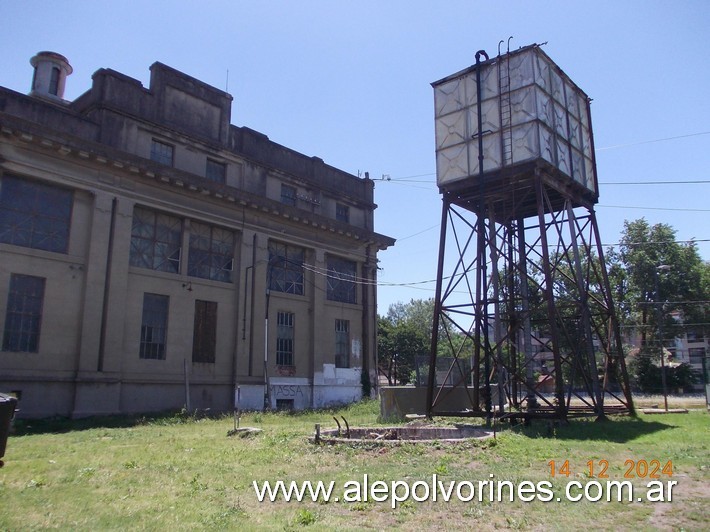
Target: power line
652, 141
698, 182
652, 208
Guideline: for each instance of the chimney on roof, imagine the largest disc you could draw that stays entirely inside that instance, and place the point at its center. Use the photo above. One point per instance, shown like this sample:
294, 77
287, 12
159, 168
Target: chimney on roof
50, 75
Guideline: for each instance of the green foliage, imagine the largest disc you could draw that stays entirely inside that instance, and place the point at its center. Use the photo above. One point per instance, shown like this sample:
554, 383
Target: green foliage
648, 297
186, 473
400, 339
646, 375
305, 517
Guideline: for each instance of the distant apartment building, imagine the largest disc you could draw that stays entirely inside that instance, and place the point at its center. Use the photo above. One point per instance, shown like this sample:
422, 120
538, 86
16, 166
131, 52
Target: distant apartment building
693, 348
153, 256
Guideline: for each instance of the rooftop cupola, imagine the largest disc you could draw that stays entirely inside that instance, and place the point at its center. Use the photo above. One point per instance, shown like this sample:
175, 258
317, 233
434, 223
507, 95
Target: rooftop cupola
50, 75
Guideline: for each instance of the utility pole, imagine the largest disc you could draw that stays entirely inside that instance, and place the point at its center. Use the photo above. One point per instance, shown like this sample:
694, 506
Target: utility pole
659, 319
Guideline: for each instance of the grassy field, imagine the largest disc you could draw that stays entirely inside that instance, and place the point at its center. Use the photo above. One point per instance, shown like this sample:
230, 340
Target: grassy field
178, 472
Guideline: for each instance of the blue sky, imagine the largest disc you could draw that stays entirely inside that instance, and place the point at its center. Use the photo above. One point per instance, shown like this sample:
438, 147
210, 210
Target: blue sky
350, 82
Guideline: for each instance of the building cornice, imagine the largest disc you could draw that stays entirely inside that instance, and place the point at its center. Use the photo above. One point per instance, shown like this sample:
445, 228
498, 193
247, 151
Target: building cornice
80, 149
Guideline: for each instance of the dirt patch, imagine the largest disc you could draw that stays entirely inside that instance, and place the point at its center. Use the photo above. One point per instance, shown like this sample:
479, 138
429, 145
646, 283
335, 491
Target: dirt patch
689, 508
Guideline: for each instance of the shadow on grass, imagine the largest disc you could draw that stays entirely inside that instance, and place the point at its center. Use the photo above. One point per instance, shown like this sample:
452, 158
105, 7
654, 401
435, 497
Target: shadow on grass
59, 425
618, 430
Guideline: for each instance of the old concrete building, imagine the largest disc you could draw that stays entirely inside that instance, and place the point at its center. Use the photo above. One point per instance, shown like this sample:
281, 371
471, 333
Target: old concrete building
152, 255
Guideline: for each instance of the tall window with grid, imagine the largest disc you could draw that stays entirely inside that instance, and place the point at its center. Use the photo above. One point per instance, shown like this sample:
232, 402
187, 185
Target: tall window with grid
155, 241
23, 317
285, 269
284, 339
34, 215
211, 253
341, 281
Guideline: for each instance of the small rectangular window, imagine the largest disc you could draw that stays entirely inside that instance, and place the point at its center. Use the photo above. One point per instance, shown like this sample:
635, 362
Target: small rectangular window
342, 344
215, 171
204, 335
696, 355
288, 195
284, 404
284, 339
54, 81
161, 153
24, 313
342, 212
154, 326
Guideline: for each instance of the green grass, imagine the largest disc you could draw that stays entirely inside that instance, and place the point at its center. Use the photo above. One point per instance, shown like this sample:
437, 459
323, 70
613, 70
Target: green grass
179, 472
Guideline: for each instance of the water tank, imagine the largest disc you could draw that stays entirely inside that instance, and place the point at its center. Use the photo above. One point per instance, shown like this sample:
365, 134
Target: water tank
531, 110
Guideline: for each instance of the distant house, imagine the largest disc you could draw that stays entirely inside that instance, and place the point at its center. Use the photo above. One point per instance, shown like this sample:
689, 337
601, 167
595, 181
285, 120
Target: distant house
152, 255
690, 346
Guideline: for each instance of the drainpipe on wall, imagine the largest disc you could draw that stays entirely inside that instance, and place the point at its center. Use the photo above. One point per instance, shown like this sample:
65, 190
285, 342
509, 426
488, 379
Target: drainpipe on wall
365, 377
107, 287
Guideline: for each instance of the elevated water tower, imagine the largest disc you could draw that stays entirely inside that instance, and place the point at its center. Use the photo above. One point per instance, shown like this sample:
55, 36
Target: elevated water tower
524, 323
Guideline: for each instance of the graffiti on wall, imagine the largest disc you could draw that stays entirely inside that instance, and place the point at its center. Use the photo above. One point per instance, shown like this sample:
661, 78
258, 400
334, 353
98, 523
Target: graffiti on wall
286, 391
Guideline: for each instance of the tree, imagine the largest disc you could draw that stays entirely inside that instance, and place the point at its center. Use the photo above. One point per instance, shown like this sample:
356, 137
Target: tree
652, 300
399, 342
679, 290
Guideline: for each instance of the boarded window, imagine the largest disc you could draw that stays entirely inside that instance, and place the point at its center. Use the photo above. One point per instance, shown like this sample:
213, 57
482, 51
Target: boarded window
342, 344
204, 336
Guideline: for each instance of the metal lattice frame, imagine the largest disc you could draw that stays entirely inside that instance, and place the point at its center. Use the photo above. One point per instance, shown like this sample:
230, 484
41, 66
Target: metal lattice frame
514, 287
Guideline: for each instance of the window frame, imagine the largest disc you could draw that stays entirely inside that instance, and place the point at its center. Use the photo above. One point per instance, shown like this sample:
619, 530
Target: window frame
23, 316
158, 151
341, 280
285, 338
214, 164
696, 355
150, 249
285, 272
289, 194
154, 320
54, 78
35, 214
342, 212
215, 262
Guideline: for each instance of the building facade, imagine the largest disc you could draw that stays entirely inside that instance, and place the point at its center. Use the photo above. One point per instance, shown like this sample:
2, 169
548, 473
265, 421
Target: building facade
155, 256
